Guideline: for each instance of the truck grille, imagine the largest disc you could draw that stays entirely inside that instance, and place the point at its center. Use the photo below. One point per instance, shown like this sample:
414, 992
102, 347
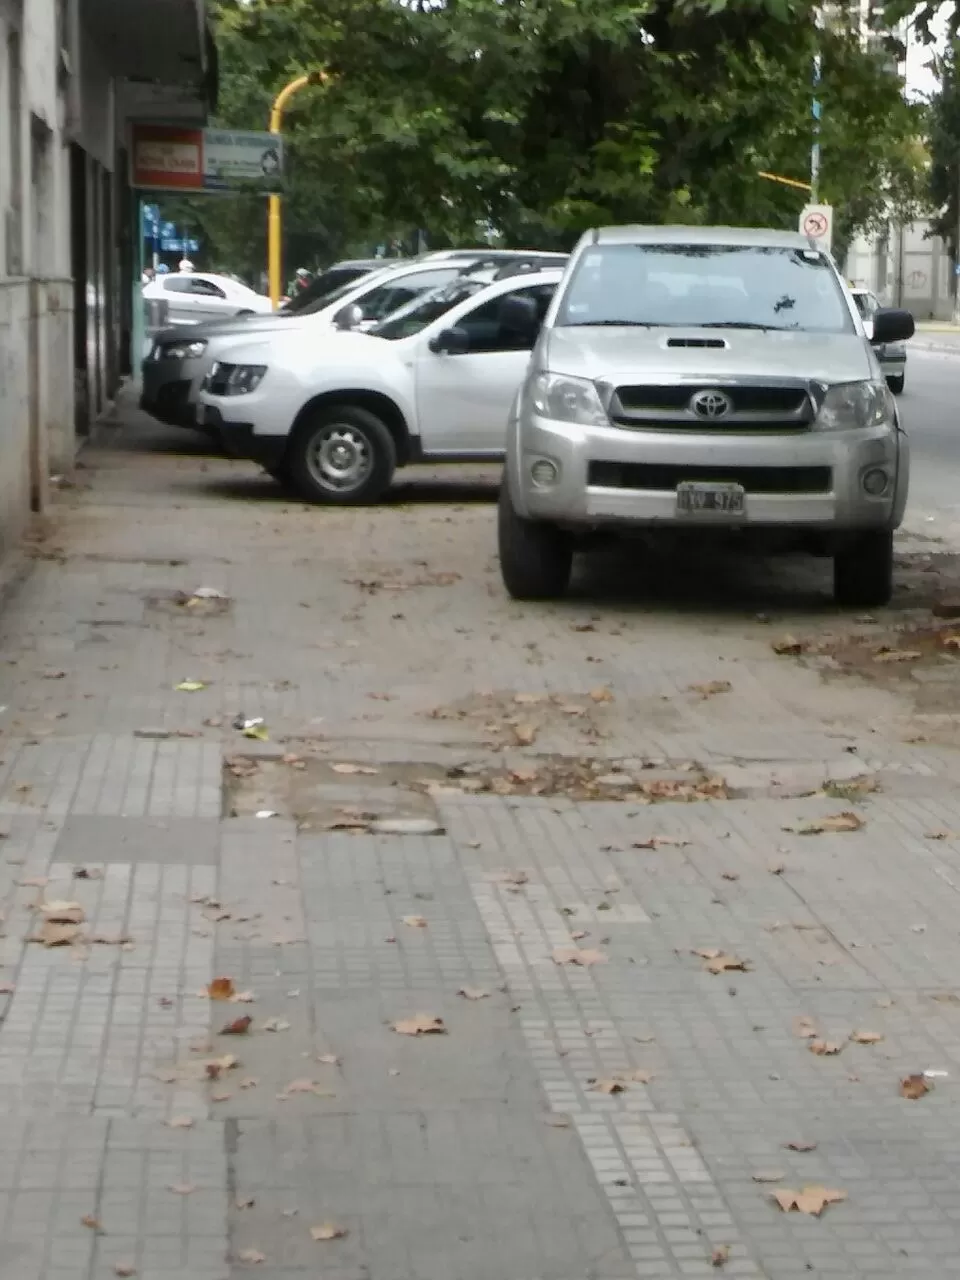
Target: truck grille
754, 406
665, 479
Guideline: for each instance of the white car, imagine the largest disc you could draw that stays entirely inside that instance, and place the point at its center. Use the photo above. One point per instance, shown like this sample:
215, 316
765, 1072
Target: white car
432, 383
194, 297
892, 355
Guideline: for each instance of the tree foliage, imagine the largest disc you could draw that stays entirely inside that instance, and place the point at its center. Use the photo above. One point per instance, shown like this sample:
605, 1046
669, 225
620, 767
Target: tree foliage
536, 118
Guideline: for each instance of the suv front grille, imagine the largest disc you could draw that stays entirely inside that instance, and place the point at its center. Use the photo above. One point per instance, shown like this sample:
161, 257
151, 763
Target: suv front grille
661, 478
755, 405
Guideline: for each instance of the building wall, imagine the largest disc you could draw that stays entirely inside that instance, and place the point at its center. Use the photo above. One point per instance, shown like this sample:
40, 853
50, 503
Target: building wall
62, 202
907, 267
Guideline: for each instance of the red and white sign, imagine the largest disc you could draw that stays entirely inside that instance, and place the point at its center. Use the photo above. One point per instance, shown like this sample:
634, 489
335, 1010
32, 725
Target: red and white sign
174, 158
816, 222
165, 158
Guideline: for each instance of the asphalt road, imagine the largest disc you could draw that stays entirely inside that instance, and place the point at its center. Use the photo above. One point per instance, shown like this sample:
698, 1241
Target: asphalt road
930, 408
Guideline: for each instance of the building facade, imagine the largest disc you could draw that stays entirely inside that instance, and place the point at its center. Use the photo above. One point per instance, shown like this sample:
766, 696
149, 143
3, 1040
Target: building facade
73, 75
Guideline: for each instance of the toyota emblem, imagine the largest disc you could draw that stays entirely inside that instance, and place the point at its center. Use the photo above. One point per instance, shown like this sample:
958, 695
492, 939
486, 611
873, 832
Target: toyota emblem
711, 404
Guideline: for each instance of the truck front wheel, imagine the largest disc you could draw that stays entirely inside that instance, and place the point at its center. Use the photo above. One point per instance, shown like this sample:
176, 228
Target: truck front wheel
535, 558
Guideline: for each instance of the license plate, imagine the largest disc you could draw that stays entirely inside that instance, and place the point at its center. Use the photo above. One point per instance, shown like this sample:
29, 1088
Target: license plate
695, 498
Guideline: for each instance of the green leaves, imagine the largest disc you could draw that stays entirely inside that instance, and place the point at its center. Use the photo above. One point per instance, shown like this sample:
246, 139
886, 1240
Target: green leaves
541, 117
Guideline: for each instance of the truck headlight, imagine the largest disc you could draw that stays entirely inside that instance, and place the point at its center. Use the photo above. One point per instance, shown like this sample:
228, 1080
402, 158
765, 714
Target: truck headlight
181, 350
566, 399
244, 378
855, 404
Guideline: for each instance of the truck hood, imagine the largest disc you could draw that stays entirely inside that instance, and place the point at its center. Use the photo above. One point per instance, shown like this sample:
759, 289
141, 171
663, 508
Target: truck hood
614, 354
301, 351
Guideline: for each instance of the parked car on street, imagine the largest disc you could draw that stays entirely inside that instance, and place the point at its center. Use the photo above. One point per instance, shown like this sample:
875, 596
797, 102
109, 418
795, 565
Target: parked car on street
193, 297
431, 383
179, 358
892, 355
334, 277
703, 381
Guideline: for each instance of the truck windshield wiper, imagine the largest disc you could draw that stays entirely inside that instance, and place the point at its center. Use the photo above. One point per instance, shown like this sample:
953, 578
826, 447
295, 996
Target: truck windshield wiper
741, 324
621, 324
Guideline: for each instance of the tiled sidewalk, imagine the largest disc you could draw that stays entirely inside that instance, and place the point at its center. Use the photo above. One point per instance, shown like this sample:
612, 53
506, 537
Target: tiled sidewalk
621, 1119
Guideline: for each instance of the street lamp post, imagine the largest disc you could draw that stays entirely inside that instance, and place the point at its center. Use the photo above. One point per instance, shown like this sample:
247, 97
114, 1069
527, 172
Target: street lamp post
274, 227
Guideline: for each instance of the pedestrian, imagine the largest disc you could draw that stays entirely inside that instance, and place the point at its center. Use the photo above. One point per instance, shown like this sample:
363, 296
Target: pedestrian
185, 266
148, 276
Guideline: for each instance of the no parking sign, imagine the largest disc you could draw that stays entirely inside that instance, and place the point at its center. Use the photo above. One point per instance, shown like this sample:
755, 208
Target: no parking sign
816, 221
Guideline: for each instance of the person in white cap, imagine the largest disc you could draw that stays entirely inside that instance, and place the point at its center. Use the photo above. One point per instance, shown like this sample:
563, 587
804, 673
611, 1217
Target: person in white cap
185, 266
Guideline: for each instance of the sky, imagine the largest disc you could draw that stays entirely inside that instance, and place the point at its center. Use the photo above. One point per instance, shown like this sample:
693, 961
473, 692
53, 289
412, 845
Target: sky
920, 82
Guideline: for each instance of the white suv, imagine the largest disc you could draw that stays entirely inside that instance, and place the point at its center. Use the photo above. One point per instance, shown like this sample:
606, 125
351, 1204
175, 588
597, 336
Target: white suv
334, 414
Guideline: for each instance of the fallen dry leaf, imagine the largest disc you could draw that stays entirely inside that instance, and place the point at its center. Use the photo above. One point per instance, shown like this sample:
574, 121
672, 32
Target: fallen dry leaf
473, 993
328, 1231
276, 1024
601, 694
525, 734
248, 1082
346, 767
63, 912
329, 1059
124, 1269
415, 922
182, 1188
846, 821
811, 1200
584, 956
607, 1086
939, 835
421, 1024
729, 875
238, 1027
716, 961
510, 877
641, 1077
58, 935
771, 1175
866, 1037
7, 988
221, 1095
245, 997
914, 1087
799, 1145
528, 699
824, 1048
790, 645
710, 688
657, 842
720, 1256
221, 989
804, 1027
88, 1220
216, 1066
557, 1122
251, 1255
244, 1202
885, 654
181, 1122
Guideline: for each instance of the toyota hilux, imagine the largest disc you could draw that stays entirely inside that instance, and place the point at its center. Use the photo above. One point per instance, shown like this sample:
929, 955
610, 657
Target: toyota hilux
704, 381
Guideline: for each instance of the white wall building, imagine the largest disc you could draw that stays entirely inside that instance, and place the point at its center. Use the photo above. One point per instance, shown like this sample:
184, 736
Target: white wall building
73, 74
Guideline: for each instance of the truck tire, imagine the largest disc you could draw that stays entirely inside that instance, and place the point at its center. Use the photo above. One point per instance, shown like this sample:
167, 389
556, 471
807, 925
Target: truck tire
896, 384
863, 571
535, 558
343, 455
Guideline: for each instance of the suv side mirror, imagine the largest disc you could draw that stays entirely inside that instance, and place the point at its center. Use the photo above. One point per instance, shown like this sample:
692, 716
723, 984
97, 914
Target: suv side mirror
892, 325
348, 317
521, 316
453, 342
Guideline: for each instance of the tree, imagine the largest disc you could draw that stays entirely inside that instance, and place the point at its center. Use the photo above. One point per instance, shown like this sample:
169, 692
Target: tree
540, 117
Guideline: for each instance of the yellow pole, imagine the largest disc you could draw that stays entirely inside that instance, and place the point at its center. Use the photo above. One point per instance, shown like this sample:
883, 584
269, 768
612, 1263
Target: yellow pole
787, 182
274, 228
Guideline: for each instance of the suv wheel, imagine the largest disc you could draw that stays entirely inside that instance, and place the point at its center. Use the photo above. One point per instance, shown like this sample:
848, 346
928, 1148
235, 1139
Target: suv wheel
342, 454
863, 571
896, 384
535, 558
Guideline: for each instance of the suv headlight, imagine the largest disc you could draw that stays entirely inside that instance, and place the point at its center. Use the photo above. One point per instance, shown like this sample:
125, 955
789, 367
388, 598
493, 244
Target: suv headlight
566, 399
855, 404
181, 350
244, 378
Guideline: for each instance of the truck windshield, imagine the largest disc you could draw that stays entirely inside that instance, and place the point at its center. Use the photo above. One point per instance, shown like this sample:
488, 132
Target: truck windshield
705, 286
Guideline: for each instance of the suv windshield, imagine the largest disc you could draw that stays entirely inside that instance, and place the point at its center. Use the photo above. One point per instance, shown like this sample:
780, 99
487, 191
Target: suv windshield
415, 316
712, 286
